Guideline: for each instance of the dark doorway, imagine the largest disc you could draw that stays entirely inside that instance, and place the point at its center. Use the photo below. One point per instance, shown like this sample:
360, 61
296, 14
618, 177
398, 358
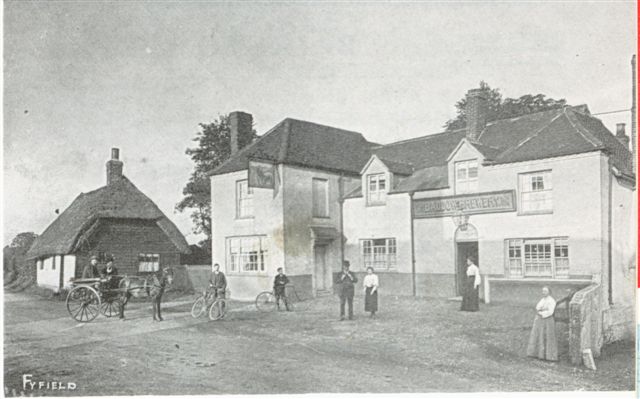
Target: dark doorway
464, 250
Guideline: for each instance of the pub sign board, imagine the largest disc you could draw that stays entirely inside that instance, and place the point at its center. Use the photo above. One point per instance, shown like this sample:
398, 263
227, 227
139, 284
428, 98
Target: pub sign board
470, 204
261, 174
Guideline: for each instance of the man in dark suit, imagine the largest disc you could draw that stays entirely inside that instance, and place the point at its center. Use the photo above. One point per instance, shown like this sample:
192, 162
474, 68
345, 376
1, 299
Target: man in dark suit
218, 282
279, 284
91, 270
346, 290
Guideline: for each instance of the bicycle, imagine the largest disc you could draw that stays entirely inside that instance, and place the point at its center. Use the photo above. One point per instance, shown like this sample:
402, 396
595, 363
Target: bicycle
211, 301
266, 300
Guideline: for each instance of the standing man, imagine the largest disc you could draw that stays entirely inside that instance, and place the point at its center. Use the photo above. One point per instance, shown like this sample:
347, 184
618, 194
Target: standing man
91, 270
279, 284
346, 281
110, 272
218, 282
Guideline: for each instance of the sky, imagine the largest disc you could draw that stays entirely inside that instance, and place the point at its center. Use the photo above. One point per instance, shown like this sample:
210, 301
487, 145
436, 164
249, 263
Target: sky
80, 78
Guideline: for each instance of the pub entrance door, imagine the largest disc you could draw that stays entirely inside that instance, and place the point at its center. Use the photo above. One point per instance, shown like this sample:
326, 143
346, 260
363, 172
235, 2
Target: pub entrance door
466, 246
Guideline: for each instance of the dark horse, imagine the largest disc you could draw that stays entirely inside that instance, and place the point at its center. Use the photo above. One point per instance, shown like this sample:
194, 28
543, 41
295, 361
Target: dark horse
152, 287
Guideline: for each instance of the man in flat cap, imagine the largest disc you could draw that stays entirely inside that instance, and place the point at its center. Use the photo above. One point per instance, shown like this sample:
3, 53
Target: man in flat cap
91, 269
346, 280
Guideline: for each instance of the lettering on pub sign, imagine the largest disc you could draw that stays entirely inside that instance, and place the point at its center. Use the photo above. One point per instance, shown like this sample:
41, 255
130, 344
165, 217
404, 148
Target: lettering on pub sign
492, 202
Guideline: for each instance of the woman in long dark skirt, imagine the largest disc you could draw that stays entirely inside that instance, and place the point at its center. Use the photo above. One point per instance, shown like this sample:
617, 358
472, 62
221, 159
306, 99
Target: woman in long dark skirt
370, 284
542, 341
471, 288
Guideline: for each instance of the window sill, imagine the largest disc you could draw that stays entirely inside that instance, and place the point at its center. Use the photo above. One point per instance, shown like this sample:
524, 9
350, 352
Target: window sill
245, 217
532, 213
248, 273
541, 280
322, 217
376, 204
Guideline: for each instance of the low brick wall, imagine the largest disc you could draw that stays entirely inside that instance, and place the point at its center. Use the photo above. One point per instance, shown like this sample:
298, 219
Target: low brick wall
585, 323
527, 292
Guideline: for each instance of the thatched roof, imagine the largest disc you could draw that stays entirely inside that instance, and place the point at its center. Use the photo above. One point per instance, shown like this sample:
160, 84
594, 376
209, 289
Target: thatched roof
120, 200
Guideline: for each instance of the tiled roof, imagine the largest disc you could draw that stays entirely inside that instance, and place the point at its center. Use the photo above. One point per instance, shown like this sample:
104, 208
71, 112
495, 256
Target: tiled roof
307, 144
398, 167
422, 152
121, 199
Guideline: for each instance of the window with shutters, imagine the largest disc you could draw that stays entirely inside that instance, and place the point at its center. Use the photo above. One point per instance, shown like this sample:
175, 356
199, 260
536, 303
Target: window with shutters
320, 203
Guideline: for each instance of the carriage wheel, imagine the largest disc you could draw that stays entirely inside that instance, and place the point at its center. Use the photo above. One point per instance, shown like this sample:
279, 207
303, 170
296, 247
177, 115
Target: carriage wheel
266, 302
218, 309
198, 307
111, 307
83, 303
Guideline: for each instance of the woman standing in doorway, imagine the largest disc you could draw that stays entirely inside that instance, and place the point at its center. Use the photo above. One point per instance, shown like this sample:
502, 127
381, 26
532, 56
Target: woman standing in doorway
370, 284
542, 341
471, 284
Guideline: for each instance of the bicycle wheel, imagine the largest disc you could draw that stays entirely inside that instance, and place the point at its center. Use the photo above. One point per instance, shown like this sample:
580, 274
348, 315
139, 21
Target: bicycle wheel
198, 307
218, 309
266, 302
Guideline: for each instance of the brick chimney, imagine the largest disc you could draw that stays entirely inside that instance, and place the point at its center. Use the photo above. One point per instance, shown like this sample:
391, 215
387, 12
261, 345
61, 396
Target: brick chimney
114, 167
621, 135
477, 109
241, 126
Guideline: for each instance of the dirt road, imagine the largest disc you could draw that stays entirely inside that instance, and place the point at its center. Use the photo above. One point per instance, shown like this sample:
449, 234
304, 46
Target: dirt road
415, 345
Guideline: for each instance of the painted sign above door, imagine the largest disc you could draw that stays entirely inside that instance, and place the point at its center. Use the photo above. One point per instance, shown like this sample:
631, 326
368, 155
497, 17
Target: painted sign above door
492, 202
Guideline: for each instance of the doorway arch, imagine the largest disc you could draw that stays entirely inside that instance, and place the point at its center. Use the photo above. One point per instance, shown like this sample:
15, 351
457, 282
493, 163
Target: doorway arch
466, 245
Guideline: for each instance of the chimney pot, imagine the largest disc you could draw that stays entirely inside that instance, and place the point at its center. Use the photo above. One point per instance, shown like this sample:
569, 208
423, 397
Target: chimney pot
241, 128
476, 110
621, 135
114, 167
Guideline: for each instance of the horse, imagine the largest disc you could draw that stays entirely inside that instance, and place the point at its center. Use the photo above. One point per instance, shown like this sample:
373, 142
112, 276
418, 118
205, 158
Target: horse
152, 287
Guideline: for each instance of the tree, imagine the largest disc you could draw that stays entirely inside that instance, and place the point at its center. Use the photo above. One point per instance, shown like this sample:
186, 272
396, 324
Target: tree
504, 109
14, 257
213, 148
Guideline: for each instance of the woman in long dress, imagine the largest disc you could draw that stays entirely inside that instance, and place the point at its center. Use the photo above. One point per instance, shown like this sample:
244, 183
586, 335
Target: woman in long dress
542, 341
370, 284
471, 284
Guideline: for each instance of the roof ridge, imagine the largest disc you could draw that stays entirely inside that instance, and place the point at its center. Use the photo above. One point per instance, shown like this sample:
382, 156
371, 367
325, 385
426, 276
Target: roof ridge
427, 136
582, 130
521, 143
319, 124
392, 160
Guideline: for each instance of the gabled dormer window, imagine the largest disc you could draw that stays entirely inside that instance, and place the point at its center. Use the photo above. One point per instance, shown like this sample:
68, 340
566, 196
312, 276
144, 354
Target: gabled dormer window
376, 189
466, 176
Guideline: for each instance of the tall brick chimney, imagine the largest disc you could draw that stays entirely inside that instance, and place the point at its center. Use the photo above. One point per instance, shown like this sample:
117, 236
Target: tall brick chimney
621, 135
477, 109
114, 167
241, 126
634, 115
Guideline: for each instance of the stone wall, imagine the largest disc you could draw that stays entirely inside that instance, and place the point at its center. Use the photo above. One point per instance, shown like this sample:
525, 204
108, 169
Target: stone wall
585, 323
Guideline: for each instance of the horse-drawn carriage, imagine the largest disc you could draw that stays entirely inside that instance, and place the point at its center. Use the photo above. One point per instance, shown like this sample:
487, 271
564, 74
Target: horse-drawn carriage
107, 295
92, 296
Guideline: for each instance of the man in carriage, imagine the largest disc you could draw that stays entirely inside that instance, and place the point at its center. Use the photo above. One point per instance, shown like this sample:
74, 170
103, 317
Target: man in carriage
91, 269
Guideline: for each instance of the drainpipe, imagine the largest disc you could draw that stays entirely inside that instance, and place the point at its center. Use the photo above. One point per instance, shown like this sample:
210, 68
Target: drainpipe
610, 233
341, 202
413, 251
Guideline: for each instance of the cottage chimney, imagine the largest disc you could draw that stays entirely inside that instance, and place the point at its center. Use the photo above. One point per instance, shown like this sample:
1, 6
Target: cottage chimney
241, 127
114, 167
477, 109
621, 135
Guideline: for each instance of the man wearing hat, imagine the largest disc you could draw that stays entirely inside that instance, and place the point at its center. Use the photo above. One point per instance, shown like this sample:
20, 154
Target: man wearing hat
346, 290
110, 272
91, 270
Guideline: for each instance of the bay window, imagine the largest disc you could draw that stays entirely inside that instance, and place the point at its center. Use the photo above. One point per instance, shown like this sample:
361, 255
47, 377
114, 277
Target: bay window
379, 253
247, 254
548, 257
